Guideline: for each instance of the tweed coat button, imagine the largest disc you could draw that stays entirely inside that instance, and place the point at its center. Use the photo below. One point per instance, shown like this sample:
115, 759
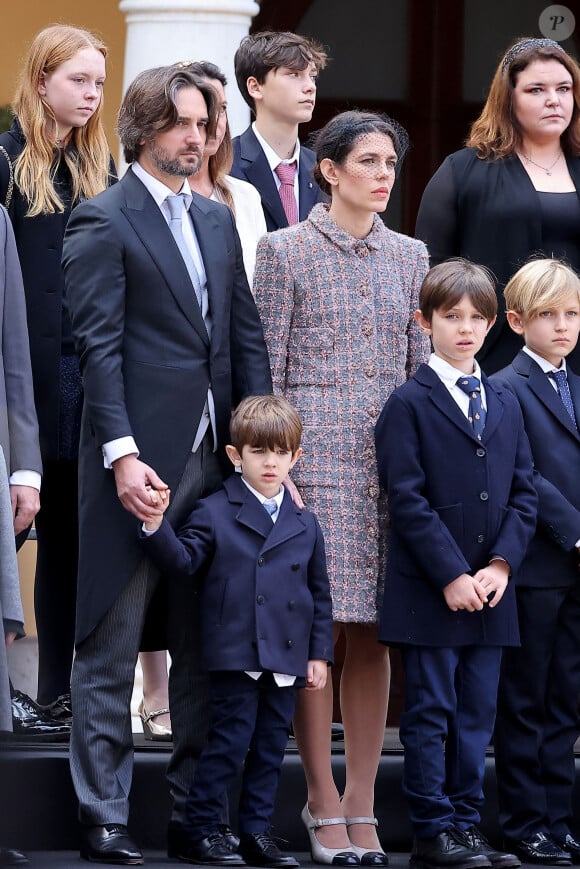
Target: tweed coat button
373, 491
260, 599
483, 496
371, 370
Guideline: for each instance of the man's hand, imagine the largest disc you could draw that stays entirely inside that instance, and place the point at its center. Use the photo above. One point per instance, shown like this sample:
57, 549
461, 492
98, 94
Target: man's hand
25, 505
135, 481
465, 593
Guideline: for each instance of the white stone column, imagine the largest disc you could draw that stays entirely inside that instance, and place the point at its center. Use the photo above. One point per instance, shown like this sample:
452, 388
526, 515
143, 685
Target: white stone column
166, 31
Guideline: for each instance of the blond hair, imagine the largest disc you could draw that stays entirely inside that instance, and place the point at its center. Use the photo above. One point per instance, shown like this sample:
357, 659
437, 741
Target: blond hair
540, 284
89, 158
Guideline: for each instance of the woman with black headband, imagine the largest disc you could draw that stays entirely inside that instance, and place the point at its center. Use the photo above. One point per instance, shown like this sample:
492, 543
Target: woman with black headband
513, 191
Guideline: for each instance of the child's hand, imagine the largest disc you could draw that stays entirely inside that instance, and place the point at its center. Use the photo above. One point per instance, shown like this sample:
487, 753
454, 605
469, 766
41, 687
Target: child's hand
316, 675
159, 498
494, 579
465, 593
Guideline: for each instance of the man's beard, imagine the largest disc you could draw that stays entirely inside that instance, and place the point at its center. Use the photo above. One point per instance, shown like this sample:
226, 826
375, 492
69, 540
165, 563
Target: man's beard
173, 165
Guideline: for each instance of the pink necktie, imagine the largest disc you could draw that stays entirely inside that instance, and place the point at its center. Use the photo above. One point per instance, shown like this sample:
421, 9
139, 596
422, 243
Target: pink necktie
286, 173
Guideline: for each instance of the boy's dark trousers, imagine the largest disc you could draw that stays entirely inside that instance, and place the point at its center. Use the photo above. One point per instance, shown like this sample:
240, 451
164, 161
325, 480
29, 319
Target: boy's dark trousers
538, 706
450, 702
250, 725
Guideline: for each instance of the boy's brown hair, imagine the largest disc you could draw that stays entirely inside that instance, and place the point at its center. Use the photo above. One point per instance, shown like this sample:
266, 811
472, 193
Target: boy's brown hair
267, 421
445, 285
259, 53
540, 284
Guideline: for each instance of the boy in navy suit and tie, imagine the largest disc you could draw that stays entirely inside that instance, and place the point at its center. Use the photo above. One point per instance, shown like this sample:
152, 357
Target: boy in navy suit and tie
537, 716
276, 73
266, 625
456, 465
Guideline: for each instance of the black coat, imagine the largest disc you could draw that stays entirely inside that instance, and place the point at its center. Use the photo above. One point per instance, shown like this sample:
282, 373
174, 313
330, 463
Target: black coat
487, 211
39, 241
147, 360
250, 164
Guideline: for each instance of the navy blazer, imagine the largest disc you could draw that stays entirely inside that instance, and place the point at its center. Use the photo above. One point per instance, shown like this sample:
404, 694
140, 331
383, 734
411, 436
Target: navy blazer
265, 601
552, 558
454, 503
250, 164
147, 360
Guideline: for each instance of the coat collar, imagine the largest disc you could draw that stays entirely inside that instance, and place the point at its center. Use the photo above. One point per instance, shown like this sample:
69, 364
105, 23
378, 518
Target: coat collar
525, 366
251, 514
439, 395
149, 224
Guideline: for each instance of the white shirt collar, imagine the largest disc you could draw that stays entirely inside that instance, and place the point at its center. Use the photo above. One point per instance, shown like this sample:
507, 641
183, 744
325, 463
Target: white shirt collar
543, 363
261, 498
447, 373
158, 190
271, 156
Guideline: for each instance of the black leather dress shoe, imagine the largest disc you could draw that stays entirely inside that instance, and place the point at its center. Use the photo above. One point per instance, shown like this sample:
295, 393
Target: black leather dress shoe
110, 843
60, 709
445, 850
230, 838
11, 857
259, 849
211, 851
477, 842
29, 720
541, 848
571, 845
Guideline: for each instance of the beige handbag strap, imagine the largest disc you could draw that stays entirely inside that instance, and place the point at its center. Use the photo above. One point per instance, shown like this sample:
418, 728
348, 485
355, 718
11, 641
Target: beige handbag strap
10, 189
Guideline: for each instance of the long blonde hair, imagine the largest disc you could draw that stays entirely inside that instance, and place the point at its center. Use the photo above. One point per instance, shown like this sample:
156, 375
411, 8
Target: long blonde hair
89, 159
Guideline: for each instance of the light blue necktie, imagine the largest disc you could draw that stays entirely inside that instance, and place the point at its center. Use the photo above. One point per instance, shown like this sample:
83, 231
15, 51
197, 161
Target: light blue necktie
564, 392
176, 204
271, 507
476, 413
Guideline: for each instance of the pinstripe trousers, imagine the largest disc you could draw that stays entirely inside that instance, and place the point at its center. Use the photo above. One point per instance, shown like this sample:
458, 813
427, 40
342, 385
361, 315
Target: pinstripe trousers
101, 748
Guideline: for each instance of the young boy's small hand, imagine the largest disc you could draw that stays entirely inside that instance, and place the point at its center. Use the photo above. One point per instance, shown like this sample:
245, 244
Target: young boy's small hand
494, 580
159, 498
465, 593
316, 675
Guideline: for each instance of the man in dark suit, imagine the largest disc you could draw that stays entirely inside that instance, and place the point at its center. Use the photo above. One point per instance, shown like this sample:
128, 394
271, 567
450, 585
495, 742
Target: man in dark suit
168, 336
276, 74
537, 720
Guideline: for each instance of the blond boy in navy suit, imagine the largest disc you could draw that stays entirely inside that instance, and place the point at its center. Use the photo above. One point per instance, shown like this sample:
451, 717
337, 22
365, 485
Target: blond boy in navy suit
537, 721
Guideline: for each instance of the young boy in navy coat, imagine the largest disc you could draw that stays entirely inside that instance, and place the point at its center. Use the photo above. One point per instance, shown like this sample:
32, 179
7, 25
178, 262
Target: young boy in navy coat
454, 459
537, 715
266, 623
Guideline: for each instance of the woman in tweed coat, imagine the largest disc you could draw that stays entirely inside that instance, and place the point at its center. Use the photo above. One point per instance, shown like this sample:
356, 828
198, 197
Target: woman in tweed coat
336, 294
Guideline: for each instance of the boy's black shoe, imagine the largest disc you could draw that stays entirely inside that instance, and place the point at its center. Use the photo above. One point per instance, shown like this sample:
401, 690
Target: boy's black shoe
571, 845
445, 850
474, 840
211, 851
259, 849
541, 848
